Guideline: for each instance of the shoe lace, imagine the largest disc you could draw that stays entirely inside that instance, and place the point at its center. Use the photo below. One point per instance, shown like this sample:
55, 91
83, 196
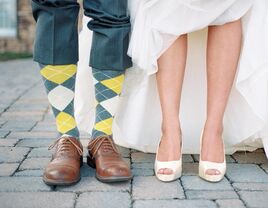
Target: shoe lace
65, 145
105, 142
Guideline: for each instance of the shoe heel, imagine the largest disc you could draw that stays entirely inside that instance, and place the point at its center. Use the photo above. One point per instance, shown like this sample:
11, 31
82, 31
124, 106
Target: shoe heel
81, 161
91, 162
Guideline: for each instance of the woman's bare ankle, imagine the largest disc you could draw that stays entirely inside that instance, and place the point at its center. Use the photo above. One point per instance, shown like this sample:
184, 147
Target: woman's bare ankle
171, 129
213, 128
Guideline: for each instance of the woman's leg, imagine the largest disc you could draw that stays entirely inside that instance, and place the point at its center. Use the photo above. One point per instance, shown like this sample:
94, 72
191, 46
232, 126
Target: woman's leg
171, 67
224, 43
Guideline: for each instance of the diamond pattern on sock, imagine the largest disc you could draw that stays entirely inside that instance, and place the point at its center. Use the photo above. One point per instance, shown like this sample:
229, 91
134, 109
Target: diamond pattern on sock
59, 81
65, 122
114, 84
59, 73
104, 126
60, 102
108, 86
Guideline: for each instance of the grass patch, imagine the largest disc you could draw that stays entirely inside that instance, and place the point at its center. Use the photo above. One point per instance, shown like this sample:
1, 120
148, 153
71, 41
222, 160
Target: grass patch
6, 56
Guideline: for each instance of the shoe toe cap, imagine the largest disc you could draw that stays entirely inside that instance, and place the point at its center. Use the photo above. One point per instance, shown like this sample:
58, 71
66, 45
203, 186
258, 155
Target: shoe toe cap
61, 173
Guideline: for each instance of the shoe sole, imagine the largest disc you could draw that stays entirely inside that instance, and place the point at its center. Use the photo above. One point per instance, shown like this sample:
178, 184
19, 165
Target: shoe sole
113, 179
107, 179
167, 178
51, 182
210, 178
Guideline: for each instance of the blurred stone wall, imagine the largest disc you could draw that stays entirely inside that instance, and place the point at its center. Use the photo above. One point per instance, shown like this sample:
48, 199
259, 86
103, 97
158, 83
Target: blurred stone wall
25, 35
26, 30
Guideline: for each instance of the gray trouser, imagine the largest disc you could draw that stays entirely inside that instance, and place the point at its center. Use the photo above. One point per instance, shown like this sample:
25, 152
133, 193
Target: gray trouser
56, 41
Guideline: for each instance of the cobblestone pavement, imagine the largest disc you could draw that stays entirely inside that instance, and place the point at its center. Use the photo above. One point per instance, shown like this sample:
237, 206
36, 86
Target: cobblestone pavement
27, 128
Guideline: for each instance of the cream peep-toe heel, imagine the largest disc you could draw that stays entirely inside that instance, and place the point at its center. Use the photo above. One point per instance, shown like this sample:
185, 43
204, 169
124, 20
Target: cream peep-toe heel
206, 165
174, 165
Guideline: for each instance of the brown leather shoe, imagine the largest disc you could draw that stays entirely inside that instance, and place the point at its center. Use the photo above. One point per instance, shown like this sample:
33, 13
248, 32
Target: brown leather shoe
64, 167
104, 156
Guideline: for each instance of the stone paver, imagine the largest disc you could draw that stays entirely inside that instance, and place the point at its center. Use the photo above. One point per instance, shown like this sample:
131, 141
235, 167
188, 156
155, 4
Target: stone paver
226, 203
37, 200
2, 122
45, 126
143, 165
30, 173
142, 169
246, 173
7, 169
22, 184
251, 186
18, 126
87, 171
196, 183
213, 195
33, 135
151, 188
19, 115
40, 152
265, 167
124, 151
174, 204
104, 200
13, 154
92, 184
34, 163
27, 128
4, 133
8, 142
139, 157
254, 198
35, 142
250, 157
186, 158
142, 172
190, 169
229, 158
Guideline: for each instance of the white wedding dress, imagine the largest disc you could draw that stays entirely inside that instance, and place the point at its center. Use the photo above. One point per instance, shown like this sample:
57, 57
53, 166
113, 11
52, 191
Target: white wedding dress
155, 25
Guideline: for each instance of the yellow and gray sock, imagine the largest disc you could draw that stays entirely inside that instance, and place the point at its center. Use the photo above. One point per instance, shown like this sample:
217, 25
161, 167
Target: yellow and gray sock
59, 81
108, 86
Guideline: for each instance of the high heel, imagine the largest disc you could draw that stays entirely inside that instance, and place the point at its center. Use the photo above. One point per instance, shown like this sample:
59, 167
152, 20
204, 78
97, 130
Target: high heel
174, 165
206, 165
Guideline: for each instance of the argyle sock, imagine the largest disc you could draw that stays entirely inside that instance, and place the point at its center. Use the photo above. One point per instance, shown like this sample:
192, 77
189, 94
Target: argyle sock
108, 86
59, 81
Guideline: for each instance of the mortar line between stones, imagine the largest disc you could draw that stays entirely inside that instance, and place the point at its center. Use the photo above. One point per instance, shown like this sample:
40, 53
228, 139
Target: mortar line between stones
183, 189
192, 156
33, 126
236, 191
18, 142
217, 205
26, 155
46, 112
75, 199
1, 125
260, 165
9, 132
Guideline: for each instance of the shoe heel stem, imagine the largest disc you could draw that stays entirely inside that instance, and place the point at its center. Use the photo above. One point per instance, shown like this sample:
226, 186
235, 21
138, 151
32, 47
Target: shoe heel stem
90, 162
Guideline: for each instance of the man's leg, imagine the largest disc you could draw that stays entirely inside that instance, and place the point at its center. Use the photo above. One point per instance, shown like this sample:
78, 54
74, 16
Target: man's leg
56, 51
108, 86
110, 25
